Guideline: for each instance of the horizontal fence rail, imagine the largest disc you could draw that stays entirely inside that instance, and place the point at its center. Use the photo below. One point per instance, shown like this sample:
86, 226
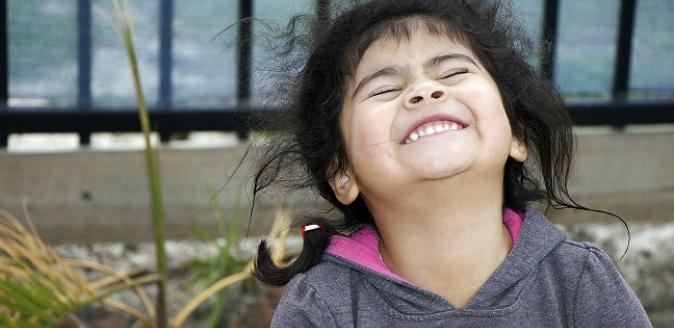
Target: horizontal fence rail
60, 120
85, 118
238, 118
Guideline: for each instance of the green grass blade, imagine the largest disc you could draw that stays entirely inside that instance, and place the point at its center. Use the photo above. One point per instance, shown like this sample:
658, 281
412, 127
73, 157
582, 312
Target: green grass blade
125, 27
19, 299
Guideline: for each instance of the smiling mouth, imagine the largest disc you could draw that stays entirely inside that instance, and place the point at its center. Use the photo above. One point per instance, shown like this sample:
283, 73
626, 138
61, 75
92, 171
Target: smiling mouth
432, 128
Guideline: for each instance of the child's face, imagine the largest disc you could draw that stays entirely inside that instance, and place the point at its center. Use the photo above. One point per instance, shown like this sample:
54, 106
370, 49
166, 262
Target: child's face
423, 109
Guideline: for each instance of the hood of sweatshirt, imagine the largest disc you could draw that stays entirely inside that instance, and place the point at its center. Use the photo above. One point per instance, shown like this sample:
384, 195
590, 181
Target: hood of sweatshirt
534, 237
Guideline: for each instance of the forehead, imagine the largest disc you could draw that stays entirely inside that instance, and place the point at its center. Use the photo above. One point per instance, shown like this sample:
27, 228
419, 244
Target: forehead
401, 29
418, 45
414, 50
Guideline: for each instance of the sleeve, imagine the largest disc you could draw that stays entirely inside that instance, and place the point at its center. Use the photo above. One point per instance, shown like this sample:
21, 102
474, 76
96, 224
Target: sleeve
300, 306
603, 298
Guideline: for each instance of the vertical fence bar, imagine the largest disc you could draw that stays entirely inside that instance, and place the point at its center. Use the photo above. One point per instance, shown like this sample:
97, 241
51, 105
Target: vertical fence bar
244, 52
245, 43
165, 51
549, 37
624, 49
4, 72
165, 60
84, 62
323, 10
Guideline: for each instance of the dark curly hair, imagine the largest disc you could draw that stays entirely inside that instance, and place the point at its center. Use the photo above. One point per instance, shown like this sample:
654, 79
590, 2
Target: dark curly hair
311, 139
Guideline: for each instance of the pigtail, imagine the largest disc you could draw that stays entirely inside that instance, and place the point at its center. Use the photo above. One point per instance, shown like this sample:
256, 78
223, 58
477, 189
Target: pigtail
266, 270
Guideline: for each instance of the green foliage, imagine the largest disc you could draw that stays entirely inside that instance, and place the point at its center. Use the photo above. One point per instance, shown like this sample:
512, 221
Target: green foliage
38, 288
224, 263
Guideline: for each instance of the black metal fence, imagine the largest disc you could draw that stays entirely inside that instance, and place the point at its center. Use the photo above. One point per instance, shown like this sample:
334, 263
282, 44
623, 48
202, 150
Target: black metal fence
84, 118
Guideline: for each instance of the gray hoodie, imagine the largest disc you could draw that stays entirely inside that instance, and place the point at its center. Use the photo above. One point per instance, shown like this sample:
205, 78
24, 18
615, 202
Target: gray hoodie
545, 281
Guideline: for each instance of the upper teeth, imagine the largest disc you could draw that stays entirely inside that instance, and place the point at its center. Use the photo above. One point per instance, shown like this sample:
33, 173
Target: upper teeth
430, 129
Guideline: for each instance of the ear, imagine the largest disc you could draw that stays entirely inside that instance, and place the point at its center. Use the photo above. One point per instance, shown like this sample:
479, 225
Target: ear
518, 150
345, 187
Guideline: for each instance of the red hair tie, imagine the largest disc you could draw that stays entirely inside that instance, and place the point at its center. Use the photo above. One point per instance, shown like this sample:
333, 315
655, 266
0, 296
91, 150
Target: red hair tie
309, 227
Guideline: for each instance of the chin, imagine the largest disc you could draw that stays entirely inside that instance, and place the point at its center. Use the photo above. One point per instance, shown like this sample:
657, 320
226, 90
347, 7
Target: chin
442, 169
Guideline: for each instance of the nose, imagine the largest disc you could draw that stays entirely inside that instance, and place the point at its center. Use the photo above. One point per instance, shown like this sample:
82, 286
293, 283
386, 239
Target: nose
426, 93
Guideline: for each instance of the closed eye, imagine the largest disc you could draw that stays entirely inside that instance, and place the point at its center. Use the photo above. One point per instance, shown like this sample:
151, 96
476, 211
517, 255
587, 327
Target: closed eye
383, 91
455, 72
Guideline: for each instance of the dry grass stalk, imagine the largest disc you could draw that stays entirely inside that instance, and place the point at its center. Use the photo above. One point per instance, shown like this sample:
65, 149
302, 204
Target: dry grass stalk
39, 288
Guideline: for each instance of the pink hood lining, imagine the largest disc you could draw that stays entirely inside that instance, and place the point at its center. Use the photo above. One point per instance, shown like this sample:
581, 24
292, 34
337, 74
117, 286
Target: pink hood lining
362, 247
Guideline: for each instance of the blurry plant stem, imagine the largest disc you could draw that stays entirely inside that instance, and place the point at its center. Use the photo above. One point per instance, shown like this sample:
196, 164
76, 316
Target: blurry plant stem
181, 317
125, 26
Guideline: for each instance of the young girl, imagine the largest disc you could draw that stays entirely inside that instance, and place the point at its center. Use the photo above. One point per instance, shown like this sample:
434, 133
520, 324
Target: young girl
415, 119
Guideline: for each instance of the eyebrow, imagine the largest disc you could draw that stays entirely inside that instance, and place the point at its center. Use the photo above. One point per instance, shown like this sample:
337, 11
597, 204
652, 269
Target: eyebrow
397, 70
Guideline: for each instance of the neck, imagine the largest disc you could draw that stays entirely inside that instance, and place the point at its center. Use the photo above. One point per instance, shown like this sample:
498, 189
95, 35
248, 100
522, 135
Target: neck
450, 245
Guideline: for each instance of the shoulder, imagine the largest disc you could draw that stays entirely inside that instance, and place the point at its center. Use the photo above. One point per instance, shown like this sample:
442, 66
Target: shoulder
308, 298
575, 256
584, 263
325, 279
601, 297
576, 262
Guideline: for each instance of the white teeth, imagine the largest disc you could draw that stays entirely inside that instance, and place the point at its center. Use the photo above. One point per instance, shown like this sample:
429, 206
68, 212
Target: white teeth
432, 129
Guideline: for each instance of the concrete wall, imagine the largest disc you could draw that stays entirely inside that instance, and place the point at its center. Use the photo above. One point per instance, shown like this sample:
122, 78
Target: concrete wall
92, 195
628, 173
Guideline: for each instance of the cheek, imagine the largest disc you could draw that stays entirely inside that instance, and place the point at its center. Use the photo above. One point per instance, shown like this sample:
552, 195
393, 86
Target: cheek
487, 108
370, 133
370, 141
486, 104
